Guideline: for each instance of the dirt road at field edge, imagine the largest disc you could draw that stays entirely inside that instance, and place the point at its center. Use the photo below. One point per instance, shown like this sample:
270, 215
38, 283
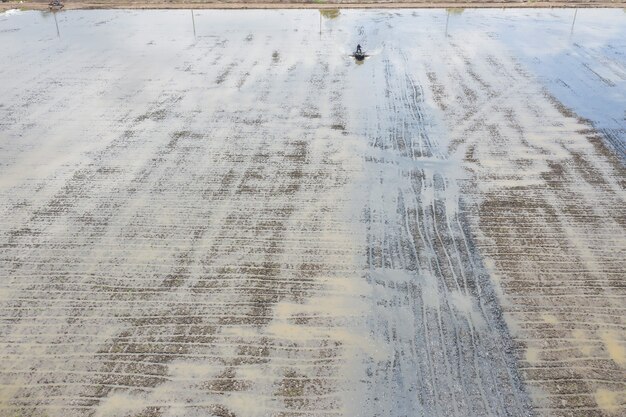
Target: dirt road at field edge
116, 4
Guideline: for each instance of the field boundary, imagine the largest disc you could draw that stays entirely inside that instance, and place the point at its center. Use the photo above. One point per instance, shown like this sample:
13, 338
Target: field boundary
125, 4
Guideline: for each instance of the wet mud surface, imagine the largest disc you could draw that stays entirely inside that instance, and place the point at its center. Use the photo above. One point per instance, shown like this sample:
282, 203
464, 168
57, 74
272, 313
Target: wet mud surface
221, 213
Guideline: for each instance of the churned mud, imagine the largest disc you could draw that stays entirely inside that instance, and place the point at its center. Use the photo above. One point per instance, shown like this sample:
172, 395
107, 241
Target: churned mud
222, 213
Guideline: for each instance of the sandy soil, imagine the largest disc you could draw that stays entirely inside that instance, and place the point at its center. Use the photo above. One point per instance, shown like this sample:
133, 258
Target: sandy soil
232, 217
130, 4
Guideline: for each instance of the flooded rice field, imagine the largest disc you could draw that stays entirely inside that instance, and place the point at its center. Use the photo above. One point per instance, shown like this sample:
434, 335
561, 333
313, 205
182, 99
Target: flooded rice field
221, 213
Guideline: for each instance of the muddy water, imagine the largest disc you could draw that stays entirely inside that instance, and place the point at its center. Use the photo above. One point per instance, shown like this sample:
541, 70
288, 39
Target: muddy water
222, 213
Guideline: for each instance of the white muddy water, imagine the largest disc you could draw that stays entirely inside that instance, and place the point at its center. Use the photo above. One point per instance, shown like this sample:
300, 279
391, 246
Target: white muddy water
221, 213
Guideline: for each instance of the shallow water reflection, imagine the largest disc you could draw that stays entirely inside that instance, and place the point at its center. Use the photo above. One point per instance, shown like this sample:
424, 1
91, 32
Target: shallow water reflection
222, 213
559, 46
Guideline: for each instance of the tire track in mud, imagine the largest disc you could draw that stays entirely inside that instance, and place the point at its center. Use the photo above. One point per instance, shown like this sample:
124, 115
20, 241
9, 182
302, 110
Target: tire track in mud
433, 304
546, 207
